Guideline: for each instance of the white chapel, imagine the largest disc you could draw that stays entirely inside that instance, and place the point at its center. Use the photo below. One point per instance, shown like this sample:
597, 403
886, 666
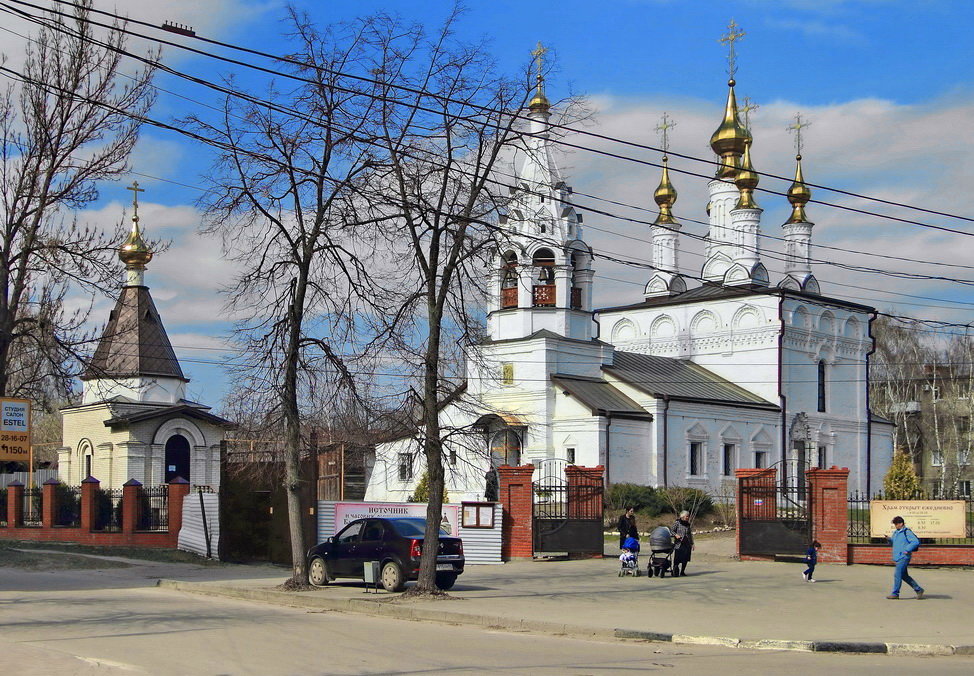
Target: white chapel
707, 372
134, 421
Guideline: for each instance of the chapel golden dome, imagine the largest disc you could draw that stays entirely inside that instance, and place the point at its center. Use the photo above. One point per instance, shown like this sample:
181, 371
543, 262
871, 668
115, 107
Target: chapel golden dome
730, 139
798, 195
135, 252
746, 180
665, 197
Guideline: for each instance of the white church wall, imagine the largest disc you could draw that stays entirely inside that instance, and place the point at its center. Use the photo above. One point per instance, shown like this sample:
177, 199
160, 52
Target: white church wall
882, 457
630, 453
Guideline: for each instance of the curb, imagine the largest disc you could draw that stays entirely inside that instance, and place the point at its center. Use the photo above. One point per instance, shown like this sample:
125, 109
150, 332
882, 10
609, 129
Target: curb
403, 612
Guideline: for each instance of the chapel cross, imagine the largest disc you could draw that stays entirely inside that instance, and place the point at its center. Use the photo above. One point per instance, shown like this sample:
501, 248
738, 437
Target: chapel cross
796, 128
663, 129
733, 34
538, 56
135, 197
746, 111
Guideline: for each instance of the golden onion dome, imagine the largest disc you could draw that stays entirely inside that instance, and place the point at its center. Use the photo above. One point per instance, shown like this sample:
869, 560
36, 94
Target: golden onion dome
135, 252
539, 101
665, 197
730, 138
746, 181
798, 195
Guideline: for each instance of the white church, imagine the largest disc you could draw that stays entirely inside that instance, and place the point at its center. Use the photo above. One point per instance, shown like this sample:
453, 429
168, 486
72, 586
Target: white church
706, 373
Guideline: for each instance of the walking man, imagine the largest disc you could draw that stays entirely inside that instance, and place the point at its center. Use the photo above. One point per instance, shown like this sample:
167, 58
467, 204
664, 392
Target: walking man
904, 542
627, 524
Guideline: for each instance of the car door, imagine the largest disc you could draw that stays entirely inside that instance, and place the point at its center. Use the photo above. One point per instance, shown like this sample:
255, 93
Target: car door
370, 548
346, 545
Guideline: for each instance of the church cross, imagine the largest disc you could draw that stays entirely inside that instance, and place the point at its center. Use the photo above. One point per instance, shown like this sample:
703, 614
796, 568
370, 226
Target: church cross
746, 111
663, 129
538, 56
135, 197
733, 34
796, 128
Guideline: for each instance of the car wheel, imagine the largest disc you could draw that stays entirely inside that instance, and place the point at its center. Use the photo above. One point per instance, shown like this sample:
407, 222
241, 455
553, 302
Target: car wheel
318, 572
445, 581
392, 577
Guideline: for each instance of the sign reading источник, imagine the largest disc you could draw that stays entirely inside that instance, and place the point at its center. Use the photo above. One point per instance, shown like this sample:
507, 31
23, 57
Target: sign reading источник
14, 430
926, 518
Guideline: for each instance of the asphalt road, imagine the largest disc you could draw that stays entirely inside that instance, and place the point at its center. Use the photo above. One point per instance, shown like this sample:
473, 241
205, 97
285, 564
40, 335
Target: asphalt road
111, 622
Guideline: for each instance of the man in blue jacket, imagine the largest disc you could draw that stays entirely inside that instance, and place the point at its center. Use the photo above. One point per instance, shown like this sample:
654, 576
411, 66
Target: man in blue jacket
904, 542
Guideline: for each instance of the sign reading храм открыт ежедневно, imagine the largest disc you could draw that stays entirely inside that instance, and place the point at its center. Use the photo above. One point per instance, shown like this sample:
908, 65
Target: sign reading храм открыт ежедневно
926, 518
14, 430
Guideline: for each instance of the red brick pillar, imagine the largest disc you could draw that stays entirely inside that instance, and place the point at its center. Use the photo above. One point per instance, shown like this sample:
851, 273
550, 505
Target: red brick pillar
130, 505
759, 503
517, 499
15, 504
178, 489
829, 489
584, 496
89, 488
48, 503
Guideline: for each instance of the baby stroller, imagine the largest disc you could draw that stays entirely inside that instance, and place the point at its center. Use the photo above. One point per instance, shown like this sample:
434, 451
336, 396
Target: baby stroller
629, 560
661, 548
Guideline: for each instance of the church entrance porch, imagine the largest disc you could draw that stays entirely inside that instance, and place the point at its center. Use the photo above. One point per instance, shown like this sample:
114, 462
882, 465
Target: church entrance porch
567, 508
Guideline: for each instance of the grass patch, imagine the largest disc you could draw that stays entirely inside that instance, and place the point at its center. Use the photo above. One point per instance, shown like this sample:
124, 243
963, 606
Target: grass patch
156, 555
10, 558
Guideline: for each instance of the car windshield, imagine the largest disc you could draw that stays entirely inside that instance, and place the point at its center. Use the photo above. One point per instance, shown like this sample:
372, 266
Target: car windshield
412, 528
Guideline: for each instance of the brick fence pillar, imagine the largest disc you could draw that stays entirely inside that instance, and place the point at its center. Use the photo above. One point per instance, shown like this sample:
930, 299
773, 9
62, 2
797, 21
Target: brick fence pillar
130, 505
517, 499
828, 490
15, 504
759, 503
89, 489
49, 503
584, 497
178, 490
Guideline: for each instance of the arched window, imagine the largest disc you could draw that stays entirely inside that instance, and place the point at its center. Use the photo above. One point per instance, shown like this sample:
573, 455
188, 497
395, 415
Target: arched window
821, 386
505, 448
576, 289
509, 281
544, 270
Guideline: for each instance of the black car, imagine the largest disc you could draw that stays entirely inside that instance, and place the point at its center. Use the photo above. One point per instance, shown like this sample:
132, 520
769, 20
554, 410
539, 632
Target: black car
396, 543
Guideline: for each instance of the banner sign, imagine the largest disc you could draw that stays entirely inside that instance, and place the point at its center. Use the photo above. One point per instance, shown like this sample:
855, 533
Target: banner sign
346, 512
14, 430
926, 518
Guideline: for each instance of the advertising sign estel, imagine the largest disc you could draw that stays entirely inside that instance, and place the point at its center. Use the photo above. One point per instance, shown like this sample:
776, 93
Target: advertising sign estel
346, 512
14, 430
926, 518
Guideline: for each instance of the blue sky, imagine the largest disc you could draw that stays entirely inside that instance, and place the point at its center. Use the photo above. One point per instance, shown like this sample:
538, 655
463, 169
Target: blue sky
887, 85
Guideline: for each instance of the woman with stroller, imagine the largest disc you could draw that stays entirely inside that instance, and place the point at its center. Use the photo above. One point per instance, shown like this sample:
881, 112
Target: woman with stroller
627, 523
684, 544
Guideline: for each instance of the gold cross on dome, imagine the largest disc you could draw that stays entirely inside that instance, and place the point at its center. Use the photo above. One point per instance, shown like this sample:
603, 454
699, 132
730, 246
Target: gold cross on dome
796, 128
135, 197
733, 34
538, 56
663, 129
746, 111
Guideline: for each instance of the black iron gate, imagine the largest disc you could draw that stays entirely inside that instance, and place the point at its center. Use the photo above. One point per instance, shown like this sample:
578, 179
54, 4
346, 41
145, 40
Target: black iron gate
774, 518
567, 515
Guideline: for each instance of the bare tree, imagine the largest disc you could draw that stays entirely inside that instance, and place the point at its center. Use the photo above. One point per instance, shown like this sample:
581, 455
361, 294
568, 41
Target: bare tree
68, 120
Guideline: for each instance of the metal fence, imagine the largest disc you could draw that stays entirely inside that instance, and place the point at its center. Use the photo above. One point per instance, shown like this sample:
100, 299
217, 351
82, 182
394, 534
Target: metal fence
859, 531
152, 513
33, 507
107, 512
67, 506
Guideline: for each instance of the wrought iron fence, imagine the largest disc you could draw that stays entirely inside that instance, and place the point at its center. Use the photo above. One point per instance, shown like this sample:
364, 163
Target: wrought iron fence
107, 511
33, 507
152, 508
67, 506
859, 521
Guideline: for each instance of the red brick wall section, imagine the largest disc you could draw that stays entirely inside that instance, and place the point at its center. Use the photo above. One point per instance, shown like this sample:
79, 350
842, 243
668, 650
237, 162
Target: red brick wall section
15, 504
766, 478
89, 486
130, 505
584, 498
517, 500
947, 555
47, 503
830, 516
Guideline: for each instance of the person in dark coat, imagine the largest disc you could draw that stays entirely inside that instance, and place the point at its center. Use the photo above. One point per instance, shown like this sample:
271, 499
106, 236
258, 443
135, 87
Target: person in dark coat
684, 544
627, 525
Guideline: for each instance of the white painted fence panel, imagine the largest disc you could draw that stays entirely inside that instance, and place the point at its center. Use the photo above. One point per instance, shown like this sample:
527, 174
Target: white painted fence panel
480, 545
192, 536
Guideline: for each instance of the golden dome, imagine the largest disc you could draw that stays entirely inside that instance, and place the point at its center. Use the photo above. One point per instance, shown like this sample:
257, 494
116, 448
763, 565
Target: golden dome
730, 138
746, 181
798, 195
539, 101
135, 252
665, 197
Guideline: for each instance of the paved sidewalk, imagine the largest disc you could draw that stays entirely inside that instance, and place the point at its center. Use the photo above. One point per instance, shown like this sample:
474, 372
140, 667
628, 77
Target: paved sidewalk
746, 603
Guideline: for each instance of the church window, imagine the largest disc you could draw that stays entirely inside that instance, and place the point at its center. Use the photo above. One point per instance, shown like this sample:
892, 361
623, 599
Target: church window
405, 466
87, 465
509, 281
507, 373
823, 456
453, 456
544, 290
730, 450
760, 459
505, 448
570, 453
696, 458
821, 386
